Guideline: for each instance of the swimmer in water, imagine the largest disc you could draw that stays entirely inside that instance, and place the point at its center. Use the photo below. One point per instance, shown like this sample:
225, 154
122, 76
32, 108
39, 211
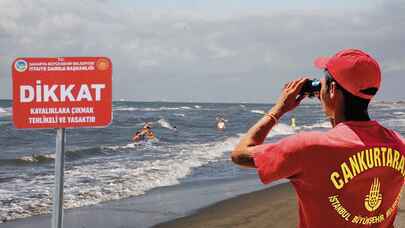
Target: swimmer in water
293, 125
221, 123
145, 133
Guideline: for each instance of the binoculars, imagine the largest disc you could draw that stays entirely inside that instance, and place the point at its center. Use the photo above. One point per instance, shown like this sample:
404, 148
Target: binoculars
311, 87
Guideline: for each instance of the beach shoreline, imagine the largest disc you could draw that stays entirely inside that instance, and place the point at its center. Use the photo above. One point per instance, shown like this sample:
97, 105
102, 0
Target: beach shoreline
242, 202
156, 206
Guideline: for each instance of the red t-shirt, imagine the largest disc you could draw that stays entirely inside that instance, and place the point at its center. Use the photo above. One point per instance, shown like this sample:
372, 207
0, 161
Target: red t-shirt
349, 176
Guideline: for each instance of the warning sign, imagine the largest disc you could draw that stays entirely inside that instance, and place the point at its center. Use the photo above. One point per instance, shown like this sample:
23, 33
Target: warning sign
66, 92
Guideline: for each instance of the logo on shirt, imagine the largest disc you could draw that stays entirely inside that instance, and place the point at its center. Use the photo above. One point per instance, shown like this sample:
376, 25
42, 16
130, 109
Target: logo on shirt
374, 198
356, 164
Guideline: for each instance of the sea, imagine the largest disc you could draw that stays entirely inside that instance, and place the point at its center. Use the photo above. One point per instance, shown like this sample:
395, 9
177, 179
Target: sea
103, 164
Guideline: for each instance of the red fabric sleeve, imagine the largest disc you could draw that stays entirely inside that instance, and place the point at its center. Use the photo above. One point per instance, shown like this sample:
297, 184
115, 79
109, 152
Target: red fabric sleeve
279, 160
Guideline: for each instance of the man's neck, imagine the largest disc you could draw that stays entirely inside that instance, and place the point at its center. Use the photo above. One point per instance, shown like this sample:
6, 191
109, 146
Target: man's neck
342, 118
339, 116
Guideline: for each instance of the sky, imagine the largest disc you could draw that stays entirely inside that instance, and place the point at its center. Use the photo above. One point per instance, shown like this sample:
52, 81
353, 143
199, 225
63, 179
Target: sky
205, 51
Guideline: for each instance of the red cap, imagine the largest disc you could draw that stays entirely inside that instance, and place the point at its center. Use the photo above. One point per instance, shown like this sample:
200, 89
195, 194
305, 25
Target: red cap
354, 70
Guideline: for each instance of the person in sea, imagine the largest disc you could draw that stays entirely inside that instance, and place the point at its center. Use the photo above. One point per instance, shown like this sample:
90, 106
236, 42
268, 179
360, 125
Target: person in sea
221, 123
143, 134
348, 176
293, 125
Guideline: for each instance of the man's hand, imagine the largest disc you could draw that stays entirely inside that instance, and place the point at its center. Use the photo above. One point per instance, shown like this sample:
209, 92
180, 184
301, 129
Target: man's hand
289, 98
243, 152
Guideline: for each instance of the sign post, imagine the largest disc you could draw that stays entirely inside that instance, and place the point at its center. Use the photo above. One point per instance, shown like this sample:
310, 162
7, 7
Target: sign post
57, 215
59, 93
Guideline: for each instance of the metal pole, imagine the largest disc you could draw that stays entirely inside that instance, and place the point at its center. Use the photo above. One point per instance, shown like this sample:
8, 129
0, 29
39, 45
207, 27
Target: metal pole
57, 214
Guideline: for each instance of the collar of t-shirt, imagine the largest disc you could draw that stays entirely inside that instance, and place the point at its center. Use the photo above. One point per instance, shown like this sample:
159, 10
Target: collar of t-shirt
368, 123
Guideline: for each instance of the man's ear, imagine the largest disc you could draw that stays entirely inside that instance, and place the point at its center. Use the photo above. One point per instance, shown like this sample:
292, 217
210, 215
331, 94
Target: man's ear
332, 90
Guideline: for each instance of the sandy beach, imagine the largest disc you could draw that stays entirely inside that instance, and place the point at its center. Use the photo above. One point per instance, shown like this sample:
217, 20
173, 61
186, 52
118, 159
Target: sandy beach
271, 207
274, 207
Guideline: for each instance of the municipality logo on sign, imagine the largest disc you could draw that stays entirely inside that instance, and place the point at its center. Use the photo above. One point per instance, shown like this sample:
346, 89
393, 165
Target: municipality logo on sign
20, 65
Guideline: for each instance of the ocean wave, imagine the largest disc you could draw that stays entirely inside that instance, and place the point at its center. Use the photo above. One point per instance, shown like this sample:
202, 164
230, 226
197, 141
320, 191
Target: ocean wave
388, 106
40, 158
281, 129
146, 144
123, 178
48, 158
103, 181
7, 111
125, 109
161, 122
165, 124
146, 109
5, 123
27, 160
397, 124
325, 124
258, 112
399, 113
285, 129
179, 114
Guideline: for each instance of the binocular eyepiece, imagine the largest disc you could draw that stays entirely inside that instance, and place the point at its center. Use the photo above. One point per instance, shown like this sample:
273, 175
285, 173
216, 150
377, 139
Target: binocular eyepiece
311, 87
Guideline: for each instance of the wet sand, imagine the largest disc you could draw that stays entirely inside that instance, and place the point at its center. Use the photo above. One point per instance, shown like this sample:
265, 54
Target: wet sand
274, 207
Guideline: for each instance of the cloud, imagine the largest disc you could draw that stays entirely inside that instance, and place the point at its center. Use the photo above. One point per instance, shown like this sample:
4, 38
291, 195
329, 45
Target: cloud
198, 55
